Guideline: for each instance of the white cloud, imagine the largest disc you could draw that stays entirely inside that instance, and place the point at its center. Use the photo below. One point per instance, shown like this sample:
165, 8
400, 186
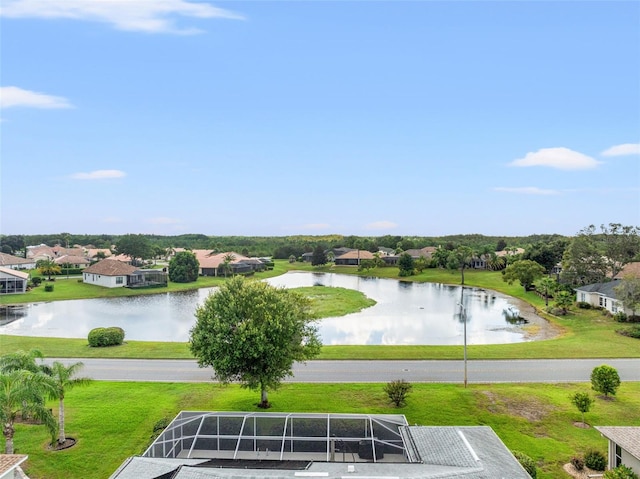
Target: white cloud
12, 96
527, 190
381, 225
163, 220
150, 16
625, 149
560, 158
99, 175
317, 226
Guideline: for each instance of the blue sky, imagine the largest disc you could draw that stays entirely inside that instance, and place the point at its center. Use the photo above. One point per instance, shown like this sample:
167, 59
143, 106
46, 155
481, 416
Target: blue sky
421, 118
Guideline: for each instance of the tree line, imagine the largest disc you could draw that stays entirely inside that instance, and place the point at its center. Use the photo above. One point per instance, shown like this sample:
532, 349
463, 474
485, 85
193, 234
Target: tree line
279, 247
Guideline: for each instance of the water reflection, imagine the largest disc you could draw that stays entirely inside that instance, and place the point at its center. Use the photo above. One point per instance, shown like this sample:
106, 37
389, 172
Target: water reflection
405, 313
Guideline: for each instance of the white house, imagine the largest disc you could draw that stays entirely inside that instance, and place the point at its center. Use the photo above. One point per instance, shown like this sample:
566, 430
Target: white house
601, 295
109, 273
15, 262
624, 446
251, 445
12, 281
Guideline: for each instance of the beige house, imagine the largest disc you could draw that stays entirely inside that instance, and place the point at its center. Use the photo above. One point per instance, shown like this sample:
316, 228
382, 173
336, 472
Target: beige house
353, 258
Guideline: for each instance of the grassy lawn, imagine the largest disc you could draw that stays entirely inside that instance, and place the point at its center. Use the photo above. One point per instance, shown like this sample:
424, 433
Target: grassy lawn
112, 421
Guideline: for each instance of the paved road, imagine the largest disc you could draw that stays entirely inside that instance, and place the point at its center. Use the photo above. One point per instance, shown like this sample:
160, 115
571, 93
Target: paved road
555, 370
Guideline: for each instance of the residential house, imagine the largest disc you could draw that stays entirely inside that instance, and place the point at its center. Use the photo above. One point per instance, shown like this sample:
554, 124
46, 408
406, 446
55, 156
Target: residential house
212, 264
624, 446
77, 262
353, 257
307, 257
601, 295
112, 273
630, 270
109, 273
10, 466
15, 262
92, 253
40, 252
426, 253
241, 445
13, 281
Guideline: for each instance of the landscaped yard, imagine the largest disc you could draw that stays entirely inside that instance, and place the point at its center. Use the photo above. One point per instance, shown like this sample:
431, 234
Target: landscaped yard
112, 421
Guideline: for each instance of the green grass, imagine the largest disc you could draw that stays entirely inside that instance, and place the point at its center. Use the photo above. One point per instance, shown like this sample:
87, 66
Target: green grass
112, 421
331, 302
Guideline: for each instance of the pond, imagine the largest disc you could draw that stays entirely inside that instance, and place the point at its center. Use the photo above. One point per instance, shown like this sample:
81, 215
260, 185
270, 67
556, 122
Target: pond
406, 313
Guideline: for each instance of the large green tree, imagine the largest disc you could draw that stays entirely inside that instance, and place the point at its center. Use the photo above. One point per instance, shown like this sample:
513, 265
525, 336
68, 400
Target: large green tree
628, 292
134, 246
546, 253
592, 257
525, 271
406, 265
64, 380
621, 245
252, 332
184, 267
319, 257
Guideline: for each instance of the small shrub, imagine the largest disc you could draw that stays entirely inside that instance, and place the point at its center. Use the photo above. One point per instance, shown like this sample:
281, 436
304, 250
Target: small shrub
101, 337
620, 317
620, 472
36, 280
633, 332
578, 463
398, 391
527, 463
595, 460
161, 424
582, 401
48, 288
583, 305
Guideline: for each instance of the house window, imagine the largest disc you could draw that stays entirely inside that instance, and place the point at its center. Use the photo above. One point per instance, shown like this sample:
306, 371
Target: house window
600, 301
605, 302
618, 460
614, 307
119, 279
583, 297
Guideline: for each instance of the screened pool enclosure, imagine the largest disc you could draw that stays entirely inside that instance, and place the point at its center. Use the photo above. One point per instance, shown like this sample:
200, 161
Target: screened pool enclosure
285, 440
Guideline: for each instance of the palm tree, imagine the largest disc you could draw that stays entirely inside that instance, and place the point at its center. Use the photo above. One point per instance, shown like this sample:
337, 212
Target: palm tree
64, 381
48, 267
22, 392
23, 360
226, 263
548, 285
460, 258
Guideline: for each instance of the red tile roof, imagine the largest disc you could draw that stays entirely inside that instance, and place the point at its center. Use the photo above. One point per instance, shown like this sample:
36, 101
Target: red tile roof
110, 267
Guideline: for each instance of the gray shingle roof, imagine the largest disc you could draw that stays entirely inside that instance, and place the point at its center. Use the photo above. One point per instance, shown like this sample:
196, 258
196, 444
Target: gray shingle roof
602, 288
627, 437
